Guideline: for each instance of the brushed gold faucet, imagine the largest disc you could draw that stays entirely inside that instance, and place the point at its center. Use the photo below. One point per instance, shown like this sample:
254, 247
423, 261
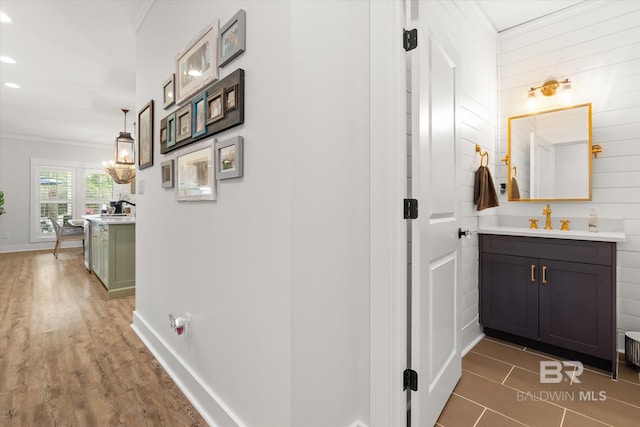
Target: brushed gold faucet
547, 211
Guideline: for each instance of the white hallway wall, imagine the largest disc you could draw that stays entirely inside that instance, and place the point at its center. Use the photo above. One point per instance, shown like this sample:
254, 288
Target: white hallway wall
596, 46
15, 181
275, 273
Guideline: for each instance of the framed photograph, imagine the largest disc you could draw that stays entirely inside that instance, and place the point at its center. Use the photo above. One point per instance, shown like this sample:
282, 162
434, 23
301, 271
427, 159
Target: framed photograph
232, 38
199, 115
195, 174
166, 172
197, 65
183, 123
171, 130
214, 107
229, 154
145, 136
168, 92
163, 132
231, 98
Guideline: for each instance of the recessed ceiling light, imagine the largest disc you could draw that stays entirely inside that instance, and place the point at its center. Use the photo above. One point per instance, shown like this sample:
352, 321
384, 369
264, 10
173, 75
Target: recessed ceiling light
4, 17
7, 60
12, 85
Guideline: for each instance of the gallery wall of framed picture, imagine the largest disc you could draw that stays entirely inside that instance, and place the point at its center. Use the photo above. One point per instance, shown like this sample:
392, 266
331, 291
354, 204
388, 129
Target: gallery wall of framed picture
223, 109
201, 104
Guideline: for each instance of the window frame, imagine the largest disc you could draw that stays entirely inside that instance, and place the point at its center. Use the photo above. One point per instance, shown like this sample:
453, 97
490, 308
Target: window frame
79, 172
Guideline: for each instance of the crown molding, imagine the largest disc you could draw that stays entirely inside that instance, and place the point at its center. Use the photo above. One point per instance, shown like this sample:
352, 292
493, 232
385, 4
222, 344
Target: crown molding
143, 11
33, 138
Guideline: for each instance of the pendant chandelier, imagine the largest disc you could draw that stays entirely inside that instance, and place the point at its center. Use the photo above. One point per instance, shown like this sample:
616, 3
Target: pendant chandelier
123, 169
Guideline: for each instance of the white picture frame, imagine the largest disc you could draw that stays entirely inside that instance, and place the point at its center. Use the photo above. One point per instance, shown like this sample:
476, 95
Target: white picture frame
195, 173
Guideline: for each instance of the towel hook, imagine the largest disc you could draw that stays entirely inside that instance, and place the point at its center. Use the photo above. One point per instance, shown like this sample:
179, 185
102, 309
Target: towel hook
514, 171
482, 155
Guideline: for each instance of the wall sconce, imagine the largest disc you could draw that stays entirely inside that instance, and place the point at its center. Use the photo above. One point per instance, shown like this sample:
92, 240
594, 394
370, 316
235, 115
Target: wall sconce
549, 88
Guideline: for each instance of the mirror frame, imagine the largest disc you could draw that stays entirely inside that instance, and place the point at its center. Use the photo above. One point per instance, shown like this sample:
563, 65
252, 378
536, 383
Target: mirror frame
590, 153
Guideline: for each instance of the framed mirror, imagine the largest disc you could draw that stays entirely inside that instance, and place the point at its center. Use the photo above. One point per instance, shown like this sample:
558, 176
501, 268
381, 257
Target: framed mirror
550, 155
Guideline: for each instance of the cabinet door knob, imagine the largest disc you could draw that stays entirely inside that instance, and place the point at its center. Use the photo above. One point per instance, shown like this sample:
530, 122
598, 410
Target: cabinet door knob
533, 273
544, 274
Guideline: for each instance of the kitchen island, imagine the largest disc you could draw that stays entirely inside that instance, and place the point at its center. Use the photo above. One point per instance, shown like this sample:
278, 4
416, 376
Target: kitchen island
112, 256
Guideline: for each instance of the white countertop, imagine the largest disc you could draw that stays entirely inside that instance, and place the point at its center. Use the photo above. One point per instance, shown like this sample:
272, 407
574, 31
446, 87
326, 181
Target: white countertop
602, 236
110, 219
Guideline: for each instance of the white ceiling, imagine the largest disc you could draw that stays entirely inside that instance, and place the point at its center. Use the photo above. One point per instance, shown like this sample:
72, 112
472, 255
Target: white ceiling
76, 63
505, 14
75, 67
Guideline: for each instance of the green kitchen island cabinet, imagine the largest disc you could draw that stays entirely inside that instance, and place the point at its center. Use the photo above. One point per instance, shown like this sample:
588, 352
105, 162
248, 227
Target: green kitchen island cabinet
113, 254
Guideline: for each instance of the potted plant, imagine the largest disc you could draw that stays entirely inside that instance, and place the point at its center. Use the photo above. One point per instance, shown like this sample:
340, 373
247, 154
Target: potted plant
1, 202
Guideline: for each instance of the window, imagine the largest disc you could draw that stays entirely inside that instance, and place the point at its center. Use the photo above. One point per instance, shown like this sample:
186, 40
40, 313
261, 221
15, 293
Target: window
64, 191
55, 190
98, 188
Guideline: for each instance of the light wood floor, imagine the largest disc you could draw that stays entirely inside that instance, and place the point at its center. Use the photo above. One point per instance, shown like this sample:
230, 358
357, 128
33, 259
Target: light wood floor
68, 356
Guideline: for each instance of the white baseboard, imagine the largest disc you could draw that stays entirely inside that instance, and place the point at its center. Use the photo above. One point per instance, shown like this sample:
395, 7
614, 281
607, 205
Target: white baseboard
215, 412
36, 247
473, 343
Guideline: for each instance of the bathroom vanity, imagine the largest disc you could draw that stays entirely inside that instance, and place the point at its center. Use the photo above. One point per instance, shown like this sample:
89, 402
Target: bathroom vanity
112, 253
551, 290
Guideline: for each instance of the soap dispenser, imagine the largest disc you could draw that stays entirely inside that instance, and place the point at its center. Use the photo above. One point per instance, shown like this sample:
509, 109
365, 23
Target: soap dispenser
593, 220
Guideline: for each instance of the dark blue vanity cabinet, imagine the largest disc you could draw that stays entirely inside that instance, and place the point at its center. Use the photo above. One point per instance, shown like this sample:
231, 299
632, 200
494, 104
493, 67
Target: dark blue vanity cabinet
557, 295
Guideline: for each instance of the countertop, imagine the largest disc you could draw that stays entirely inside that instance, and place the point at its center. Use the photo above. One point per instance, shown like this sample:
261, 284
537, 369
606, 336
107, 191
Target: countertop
110, 219
601, 236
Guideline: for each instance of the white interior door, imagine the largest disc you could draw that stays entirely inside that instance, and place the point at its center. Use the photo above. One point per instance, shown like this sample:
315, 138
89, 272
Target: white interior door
435, 343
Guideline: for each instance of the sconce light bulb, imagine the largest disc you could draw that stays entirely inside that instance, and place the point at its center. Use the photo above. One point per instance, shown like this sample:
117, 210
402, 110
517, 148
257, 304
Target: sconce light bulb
531, 102
566, 93
104, 164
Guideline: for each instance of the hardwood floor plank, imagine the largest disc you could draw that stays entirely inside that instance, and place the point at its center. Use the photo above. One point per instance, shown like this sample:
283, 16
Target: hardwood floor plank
68, 355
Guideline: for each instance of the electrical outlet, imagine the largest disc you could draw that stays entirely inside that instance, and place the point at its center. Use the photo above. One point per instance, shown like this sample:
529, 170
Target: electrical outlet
5, 236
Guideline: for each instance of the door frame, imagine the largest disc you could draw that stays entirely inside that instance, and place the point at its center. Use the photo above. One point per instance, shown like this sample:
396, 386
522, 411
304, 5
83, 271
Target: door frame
388, 231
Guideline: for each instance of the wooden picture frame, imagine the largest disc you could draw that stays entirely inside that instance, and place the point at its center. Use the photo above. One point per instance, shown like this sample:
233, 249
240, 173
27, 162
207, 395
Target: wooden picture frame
168, 92
195, 174
163, 132
167, 173
230, 118
145, 136
230, 158
197, 64
231, 98
183, 123
232, 39
215, 110
199, 115
171, 130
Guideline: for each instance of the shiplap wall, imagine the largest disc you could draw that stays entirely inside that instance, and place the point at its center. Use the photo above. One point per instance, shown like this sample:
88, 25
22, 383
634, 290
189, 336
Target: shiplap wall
597, 46
466, 28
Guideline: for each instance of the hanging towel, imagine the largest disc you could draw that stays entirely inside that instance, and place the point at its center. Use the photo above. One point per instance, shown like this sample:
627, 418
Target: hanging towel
484, 191
514, 192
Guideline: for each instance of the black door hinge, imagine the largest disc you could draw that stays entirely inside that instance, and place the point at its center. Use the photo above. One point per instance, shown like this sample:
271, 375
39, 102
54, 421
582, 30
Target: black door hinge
410, 39
410, 380
410, 209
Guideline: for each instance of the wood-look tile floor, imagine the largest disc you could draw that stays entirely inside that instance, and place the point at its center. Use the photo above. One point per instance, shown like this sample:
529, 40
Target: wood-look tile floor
68, 356
500, 386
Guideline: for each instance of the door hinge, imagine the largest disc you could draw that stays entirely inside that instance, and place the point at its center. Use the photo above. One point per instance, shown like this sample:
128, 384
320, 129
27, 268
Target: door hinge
410, 39
410, 380
410, 209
